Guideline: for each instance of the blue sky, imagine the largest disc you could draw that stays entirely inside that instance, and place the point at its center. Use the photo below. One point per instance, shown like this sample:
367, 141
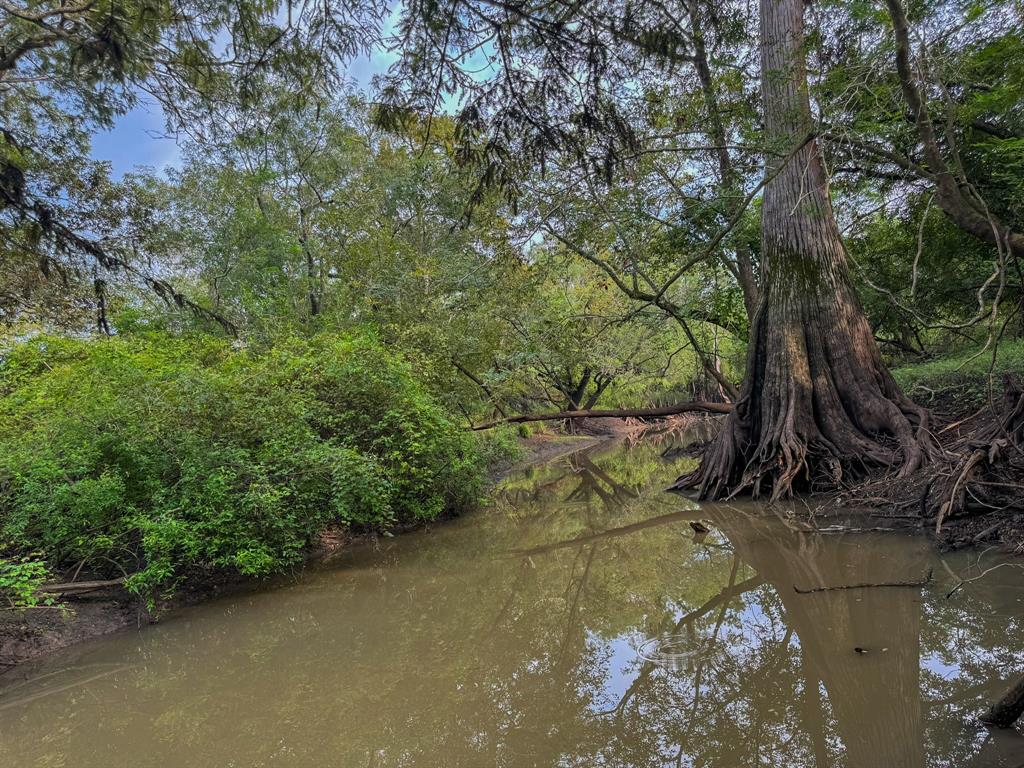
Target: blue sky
138, 138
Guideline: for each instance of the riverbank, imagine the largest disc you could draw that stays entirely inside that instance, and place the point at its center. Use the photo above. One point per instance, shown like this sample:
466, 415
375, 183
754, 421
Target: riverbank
30, 633
498, 637
972, 491
959, 397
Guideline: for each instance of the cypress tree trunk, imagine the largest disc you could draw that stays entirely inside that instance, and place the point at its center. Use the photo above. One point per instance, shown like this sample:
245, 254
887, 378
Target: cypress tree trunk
817, 397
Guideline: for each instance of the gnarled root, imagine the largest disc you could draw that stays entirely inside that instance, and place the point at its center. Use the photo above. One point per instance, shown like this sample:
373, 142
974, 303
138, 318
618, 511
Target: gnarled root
818, 404
783, 456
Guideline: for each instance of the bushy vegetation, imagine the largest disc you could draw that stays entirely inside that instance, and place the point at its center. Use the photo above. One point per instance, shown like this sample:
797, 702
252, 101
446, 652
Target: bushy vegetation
601, 241
151, 457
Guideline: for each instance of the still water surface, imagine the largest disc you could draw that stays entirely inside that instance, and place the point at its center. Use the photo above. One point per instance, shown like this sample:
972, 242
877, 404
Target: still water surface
578, 621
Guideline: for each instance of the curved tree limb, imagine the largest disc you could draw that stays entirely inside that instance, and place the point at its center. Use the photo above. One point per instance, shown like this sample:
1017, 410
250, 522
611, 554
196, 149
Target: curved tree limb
953, 195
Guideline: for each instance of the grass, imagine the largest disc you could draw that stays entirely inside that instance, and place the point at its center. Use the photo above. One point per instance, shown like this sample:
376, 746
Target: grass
965, 373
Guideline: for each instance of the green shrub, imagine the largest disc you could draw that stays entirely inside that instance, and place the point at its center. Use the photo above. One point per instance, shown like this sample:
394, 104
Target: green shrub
152, 456
499, 447
966, 371
20, 579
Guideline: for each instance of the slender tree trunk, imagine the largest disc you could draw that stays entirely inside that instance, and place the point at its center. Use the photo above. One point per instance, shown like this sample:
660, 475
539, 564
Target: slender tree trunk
817, 397
743, 269
312, 277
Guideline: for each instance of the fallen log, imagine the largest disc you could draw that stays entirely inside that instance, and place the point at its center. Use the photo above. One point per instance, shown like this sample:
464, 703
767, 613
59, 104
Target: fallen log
80, 587
617, 413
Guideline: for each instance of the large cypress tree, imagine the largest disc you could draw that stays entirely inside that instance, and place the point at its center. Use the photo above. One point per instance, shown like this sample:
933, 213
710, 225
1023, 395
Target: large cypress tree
817, 396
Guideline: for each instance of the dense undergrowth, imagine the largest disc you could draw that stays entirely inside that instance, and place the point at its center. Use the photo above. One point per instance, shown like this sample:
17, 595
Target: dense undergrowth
154, 458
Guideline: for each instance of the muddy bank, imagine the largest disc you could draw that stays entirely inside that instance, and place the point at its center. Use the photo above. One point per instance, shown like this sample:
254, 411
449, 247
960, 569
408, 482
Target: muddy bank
972, 492
28, 634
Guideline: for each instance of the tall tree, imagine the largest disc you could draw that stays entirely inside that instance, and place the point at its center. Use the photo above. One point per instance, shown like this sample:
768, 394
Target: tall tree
817, 397
817, 393
68, 69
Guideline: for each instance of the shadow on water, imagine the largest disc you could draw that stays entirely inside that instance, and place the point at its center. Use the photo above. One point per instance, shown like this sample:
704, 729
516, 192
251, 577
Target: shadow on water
578, 621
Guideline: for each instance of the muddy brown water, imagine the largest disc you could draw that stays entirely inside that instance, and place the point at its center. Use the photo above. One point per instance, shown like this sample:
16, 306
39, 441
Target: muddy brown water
577, 621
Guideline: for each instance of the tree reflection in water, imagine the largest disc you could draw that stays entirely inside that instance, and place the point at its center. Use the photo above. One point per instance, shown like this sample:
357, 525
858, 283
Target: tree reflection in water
510, 638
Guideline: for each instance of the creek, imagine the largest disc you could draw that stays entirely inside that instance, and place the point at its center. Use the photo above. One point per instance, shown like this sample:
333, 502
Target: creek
578, 620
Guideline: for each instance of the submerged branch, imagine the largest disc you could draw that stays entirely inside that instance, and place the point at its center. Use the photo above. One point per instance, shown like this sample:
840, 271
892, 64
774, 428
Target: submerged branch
915, 583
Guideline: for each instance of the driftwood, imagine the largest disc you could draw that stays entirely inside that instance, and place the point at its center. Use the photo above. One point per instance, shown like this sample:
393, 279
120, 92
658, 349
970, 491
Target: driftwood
80, 587
917, 583
618, 413
989, 458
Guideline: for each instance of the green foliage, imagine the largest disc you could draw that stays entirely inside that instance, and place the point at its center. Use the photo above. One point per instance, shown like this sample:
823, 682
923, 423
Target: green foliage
968, 372
153, 456
20, 578
499, 446
920, 267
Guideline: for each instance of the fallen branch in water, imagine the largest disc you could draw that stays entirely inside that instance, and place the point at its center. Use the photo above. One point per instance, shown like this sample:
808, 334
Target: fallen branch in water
839, 529
986, 572
917, 583
618, 413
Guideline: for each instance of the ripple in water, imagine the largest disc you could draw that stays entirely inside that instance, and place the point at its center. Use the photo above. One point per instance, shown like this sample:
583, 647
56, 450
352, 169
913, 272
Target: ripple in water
673, 650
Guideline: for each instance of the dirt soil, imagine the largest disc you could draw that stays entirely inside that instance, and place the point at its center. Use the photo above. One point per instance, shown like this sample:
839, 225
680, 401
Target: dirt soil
28, 634
33, 632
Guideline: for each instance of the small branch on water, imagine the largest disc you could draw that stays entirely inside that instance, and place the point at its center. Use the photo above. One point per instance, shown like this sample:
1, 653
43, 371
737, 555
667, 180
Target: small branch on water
917, 583
619, 413
840, 529
986, 572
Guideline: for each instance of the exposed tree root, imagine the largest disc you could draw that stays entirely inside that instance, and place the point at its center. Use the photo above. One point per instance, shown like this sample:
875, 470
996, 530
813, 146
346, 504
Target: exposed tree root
817, 407
988, 474
975, 491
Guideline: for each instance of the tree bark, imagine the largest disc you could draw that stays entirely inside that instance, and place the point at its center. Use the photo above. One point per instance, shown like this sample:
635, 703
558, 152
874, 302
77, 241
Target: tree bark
311, 267
817, 398
1008, 709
